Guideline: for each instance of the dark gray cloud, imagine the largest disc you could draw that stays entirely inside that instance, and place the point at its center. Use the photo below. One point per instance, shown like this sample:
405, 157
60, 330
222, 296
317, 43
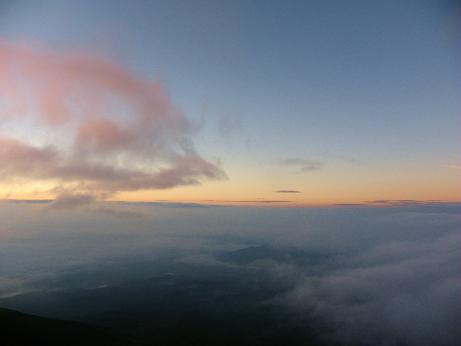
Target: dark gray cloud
288, 191
28, 201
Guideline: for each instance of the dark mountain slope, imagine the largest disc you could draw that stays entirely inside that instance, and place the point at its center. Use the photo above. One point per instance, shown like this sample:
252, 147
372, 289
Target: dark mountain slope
24, 330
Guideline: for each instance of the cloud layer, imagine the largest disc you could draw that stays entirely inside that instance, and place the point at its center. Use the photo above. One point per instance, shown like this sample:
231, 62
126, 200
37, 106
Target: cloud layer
358, 275
116, 132
400, 290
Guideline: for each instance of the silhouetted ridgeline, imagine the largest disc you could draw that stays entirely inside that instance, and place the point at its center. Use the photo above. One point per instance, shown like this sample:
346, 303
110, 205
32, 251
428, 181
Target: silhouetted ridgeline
28, 330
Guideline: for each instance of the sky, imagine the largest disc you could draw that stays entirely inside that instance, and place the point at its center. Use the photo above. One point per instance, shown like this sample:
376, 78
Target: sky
241, 102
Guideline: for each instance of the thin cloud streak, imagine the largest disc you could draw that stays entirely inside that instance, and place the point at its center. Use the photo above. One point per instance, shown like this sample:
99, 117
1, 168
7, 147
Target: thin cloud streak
303, 165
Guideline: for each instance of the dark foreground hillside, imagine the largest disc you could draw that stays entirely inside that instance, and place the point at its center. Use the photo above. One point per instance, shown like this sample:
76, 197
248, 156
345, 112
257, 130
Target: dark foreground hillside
28, 330
19, 329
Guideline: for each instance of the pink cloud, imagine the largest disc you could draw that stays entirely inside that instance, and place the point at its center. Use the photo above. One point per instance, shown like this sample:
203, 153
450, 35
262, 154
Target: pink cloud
18, 158
103, 135
125, 133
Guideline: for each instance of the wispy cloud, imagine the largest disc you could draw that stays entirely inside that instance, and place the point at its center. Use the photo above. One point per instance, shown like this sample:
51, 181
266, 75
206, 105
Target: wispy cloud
254, 201
304, 165
402, 202
288, 191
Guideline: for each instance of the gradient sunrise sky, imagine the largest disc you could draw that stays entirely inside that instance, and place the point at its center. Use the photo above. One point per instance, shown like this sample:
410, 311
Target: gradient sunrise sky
266, 102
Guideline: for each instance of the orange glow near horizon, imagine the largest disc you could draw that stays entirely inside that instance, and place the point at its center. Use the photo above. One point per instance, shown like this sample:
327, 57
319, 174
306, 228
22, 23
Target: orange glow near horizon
320, 188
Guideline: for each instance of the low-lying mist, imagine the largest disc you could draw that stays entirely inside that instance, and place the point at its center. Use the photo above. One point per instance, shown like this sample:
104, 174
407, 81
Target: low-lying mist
346, 275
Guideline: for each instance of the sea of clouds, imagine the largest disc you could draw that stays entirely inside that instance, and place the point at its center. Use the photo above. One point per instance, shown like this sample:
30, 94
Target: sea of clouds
390, 275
